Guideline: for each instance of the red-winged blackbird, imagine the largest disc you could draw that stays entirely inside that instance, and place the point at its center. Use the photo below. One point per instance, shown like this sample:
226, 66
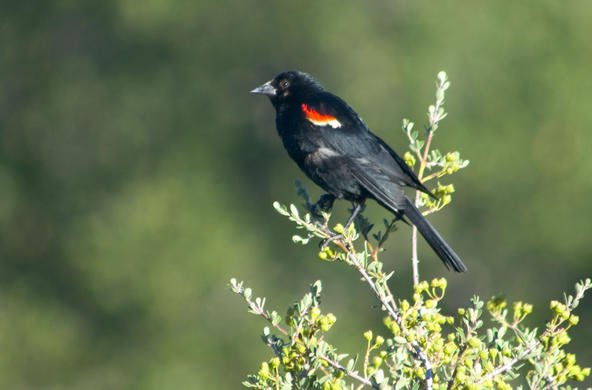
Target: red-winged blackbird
336, 150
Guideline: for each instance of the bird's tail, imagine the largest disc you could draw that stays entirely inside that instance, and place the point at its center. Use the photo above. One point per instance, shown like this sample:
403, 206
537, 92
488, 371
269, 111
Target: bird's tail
445, 252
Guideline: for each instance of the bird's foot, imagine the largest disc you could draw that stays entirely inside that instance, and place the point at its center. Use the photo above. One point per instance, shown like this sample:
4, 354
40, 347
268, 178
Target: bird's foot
334, 237
324, 204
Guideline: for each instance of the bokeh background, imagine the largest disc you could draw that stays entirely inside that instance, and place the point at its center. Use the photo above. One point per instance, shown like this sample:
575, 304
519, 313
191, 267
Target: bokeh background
137, 173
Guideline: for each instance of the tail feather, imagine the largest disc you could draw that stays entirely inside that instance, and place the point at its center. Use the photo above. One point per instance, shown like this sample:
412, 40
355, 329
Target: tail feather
433, 238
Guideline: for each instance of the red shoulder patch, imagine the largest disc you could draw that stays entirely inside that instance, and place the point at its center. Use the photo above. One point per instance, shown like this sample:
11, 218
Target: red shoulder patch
319, 119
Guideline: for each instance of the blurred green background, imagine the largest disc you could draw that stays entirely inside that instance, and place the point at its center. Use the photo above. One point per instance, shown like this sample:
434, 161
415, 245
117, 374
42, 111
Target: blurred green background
137, 173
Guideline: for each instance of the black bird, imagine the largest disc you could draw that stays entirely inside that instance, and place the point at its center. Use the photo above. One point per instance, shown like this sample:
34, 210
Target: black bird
336, 150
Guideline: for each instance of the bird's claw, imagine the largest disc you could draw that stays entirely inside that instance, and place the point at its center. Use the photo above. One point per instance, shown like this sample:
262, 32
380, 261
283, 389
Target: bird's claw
324, 204
325, 243
334, 237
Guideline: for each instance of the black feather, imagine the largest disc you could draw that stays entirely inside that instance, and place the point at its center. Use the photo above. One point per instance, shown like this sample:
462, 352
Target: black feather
433, 238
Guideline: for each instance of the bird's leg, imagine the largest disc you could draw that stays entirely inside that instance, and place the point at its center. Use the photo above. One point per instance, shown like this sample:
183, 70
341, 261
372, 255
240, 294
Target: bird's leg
325, 203
327, 241
356, 210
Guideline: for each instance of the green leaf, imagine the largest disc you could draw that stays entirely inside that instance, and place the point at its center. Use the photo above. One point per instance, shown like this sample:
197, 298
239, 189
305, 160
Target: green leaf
379, 376
280, 208
350, 365
275, 318
317, 287
301, 240
402, 383
294, 210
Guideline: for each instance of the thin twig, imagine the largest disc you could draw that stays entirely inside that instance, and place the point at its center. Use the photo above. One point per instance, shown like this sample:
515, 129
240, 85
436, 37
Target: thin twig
508, 365
414, 257
422, 166
424, 159
366, 359
351, 374
455, 370
374, 252
430, 211
390, 295
259, 311
434, 118
370, 282
412, 346
433, 176
427, 365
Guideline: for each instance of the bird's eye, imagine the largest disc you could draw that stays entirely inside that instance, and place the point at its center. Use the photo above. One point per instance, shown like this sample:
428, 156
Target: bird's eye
284, 84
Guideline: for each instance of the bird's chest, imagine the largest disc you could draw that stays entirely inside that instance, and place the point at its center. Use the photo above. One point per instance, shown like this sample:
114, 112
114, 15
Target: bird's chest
311, 147
300, 138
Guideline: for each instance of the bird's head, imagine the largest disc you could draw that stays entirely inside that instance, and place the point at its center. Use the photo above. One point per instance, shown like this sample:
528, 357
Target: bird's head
291, 86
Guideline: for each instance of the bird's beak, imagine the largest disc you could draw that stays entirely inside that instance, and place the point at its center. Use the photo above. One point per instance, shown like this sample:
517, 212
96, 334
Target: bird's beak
265, 89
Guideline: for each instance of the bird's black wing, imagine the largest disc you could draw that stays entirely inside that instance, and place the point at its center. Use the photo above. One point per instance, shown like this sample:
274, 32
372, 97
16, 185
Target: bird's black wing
353, 139
415, 182
377, 183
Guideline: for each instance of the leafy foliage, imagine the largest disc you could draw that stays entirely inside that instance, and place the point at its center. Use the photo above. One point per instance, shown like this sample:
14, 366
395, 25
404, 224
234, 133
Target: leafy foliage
422, 347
